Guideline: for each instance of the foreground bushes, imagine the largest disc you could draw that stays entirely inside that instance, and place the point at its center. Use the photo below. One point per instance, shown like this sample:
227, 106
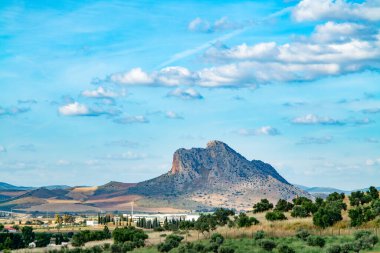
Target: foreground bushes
80, 238
171, 242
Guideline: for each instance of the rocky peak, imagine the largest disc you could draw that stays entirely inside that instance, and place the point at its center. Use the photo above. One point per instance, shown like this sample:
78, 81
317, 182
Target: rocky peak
216, 144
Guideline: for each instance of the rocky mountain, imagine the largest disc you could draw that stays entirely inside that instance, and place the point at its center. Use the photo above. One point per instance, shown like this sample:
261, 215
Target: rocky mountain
218, 175
199, 179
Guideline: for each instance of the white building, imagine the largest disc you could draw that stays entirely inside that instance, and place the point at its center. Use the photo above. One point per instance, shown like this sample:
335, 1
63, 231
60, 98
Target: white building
92, 223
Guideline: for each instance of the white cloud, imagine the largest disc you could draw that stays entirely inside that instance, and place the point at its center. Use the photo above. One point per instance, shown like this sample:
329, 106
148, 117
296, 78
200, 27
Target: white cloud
132, 119
311, 119
372, 162
189, 93
74, 109
311, 10
332, 49
100, 92
202, 25
2, 149
173, 76
243, 51
129, 155
265, 130
77, 109
199, 25
135, 76
332, 32
173, 115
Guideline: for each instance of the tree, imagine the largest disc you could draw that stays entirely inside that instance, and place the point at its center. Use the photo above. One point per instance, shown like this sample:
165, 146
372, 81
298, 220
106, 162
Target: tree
222, 216
375, 205
58, 219
78, 239
359, 198
42, 239
171, 242
373, 193
283, 206
262, 206
360, 214
1, 227
205, 223
299, 211
335, 197
129, 234
327, 216
244, 221
27, 234
275, 215
107, 233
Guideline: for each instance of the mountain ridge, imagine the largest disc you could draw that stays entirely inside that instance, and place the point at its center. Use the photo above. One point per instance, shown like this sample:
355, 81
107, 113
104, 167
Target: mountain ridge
199, 179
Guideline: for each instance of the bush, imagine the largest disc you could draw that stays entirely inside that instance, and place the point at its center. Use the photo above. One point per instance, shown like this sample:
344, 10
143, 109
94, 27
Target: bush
275, 215
217, 238
262, 206
199, 247
267, 244
244, 221
226, 249
302, 234
299, 211
361, 233
316, 241
328, 215
259, 235
285, 249
346, 247
171, 242
129, 234
334, 249
283, 206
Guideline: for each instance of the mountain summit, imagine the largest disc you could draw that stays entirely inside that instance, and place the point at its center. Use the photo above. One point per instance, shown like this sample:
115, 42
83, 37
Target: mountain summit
199, 179
218, 175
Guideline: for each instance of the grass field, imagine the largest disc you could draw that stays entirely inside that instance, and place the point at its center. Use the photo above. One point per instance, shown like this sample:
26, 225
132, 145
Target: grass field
248, 245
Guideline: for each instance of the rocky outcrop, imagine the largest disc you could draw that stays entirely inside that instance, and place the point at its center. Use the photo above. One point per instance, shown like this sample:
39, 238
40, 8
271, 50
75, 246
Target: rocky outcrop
218, 170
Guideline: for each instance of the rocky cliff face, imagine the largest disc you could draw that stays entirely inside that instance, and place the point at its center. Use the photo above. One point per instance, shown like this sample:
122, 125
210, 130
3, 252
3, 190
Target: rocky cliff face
218, 175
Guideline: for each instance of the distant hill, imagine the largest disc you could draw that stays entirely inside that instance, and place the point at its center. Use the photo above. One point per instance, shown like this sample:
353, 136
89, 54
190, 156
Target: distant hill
5, 186
317, 189
327, 190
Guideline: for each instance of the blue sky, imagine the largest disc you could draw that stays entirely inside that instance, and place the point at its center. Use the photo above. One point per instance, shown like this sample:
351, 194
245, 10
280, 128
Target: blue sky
93, 91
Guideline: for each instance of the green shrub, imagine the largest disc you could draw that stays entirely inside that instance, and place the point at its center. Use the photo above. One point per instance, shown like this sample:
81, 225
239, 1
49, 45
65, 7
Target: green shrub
244, 221
259, 235
299, 211
217, 238
361, 233
116, 248
285, 249
302, 234
267, 244
226, 249
334, 249
262, 206
346, 247
275, 215
316, 241
171, 242
283, 206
